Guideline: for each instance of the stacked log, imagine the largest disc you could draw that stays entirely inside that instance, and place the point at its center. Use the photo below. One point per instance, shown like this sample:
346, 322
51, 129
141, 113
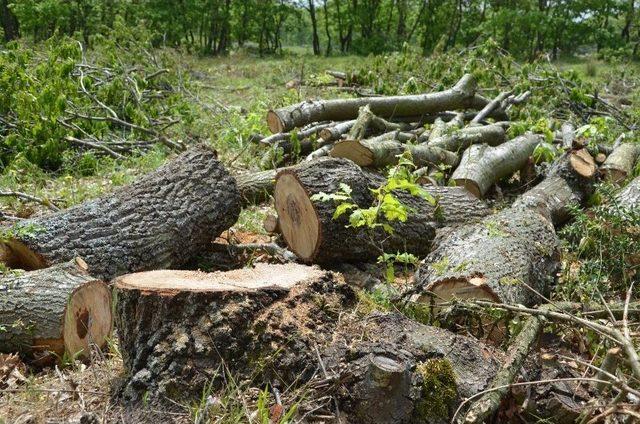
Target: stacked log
163, 220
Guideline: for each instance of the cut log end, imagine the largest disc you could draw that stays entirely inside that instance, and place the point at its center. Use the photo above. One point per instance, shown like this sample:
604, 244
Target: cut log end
582, 162
459, 288
274, 122
16, 255
271, 224
469, 185
298, 220
88, 320
354, 151
262, 277
325, 134
615, 176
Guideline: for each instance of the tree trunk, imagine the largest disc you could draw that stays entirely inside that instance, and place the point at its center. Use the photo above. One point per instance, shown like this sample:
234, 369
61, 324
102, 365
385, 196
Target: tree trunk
314, 236
619, 164
461, 96
629, 197
256, 187
314, 25
482, 165
506, 255
178, 329
60, 310
379, 153
164, 219
326, 27
492, 135
9, 22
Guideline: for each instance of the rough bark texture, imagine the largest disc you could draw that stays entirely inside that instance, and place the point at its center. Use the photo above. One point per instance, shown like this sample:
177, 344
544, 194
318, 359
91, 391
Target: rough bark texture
619, 164
461, 96
629, 197
337, 131
174, 340
61, 309
391, 367
329, 239
162, 220
257, 187
492, 259
558, 192
492, 135
482, 165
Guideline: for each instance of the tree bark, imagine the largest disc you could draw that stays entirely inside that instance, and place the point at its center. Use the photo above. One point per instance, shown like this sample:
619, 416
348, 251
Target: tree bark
619, 164
629, 197
506, 255
257, 187
164, 219
492, 135
178, 329
461, 96
55, 311
314, 236
378, 153
9, 22
314, 25
337, 131
482, 165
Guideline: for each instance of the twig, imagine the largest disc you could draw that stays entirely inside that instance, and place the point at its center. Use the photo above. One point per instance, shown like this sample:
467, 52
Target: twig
24, 196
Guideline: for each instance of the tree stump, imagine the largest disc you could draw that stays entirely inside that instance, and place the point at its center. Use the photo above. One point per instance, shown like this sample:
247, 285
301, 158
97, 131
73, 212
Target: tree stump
178, 329
56, 311
165, 219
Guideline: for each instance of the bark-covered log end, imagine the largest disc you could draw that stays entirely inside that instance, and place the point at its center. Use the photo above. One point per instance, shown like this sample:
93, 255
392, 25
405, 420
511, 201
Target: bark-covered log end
274, 122
354, 151
15, 254
88, 319
299, 222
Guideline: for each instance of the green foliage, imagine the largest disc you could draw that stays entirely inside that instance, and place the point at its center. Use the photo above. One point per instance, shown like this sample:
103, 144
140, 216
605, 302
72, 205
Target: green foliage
601, 250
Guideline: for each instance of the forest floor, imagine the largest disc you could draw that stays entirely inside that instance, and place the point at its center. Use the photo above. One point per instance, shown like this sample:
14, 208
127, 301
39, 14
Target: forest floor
233, 94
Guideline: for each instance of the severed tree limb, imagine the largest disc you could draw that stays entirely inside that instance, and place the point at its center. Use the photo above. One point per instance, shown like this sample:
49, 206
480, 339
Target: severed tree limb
619, 164
299, 135
568, 135
28, 197
482, 165
492, 135
461, 96
335, 132
271, 249
257, 187
490, 107
319, 152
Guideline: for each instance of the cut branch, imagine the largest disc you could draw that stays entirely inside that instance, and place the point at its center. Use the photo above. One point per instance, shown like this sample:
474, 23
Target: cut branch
492, 135
619, 164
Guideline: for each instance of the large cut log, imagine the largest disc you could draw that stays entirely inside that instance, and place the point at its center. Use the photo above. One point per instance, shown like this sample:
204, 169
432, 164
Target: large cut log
378, 153
629, 197
256, 187
482, 165
619, 164
396, 370
460, 140
461, 96
179, 329
164, 219
54, 312
312, 233
506, 257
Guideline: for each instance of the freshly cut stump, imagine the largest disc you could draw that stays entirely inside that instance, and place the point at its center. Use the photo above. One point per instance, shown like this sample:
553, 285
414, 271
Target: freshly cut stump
164, 219
312, 233
177, 329
54, 311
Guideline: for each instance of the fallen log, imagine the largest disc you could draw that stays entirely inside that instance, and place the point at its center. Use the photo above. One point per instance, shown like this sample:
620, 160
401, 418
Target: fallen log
461, 96
378, 153
314, 236
257, 187
629, 197
619, 164
178, 329
282, 139
337, 131
162, 220
460, 140
508, 257
490, 107
56, 312
482, 165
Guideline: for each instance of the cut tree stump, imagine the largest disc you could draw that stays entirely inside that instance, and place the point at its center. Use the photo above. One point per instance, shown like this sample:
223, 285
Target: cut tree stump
378, 153
461, 96
182, 330
482, 165
460, 140
314, 236
164, 219
508, 256
54, 312
619, 164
